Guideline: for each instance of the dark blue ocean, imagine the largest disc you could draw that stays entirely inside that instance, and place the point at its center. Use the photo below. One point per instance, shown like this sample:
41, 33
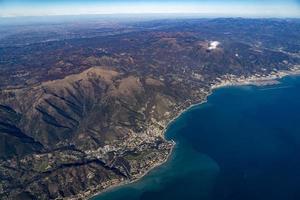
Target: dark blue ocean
243, 144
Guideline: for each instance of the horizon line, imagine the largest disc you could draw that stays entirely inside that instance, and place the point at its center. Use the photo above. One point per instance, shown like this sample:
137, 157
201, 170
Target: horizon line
200, 9
157, 14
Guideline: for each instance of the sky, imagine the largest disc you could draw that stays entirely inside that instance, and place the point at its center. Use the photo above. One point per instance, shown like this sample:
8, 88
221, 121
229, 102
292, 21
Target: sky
209, 8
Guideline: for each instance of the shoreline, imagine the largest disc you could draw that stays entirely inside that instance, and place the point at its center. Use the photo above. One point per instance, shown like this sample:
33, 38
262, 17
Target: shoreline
271, 79
112, 187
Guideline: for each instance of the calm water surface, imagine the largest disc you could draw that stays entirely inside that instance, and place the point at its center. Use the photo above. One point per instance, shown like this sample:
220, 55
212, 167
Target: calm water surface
243, 144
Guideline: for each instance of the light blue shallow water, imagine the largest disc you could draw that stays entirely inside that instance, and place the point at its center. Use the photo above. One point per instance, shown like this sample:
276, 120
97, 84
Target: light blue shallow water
244, 143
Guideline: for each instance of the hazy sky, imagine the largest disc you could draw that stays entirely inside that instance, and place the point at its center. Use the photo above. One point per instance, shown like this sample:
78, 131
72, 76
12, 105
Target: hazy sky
230, 8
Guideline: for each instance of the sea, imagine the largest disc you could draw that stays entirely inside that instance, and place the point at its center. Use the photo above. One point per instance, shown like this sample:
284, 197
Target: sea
242, 144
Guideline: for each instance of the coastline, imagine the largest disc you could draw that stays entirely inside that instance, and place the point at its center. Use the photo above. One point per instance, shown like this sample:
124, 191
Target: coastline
255, 80
137, 178
271, 79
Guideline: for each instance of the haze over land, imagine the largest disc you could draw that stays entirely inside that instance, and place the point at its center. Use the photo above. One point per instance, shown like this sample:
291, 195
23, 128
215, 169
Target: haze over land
204, 8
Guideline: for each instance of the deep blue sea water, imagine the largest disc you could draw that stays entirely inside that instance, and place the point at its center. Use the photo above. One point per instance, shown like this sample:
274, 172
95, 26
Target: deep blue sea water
243, 144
